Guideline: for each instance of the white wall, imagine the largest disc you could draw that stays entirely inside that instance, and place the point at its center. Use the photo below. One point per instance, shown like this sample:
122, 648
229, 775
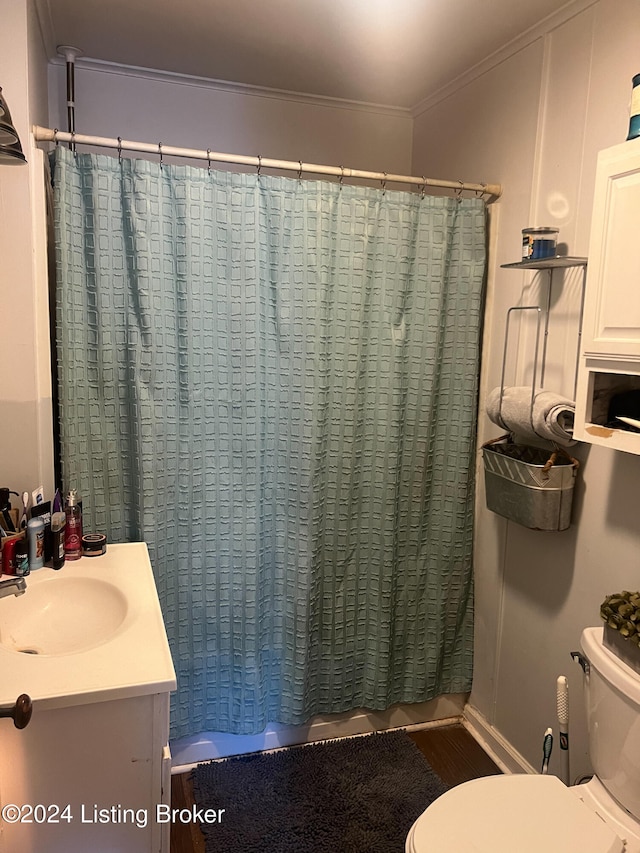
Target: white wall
25, 391
187, 112
534, 121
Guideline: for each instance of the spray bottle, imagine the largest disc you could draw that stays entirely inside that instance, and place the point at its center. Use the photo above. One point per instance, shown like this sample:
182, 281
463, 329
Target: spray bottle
73, 527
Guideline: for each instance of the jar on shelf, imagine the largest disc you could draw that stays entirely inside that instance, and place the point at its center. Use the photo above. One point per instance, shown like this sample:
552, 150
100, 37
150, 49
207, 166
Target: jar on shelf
538, 243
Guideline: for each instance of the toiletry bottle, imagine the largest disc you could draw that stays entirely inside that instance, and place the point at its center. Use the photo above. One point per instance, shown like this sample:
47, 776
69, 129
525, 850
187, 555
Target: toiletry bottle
43, 510
58, 524
35, 535
73, 527
9, 544
21, 558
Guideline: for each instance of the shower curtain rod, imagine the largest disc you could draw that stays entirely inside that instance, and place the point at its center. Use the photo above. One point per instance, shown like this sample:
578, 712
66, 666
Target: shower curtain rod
45, 134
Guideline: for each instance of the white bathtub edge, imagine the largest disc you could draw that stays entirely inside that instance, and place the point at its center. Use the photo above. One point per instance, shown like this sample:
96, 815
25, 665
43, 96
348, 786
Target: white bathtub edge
208, 746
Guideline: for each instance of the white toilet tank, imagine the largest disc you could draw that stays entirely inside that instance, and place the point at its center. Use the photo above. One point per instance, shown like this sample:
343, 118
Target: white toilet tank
613, 717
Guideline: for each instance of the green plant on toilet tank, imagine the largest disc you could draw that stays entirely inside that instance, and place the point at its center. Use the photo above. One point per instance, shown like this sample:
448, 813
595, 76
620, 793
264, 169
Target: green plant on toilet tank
621, 612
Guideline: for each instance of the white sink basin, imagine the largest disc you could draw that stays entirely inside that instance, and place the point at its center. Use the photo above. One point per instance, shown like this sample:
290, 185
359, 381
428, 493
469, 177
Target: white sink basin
91, 632
61, 615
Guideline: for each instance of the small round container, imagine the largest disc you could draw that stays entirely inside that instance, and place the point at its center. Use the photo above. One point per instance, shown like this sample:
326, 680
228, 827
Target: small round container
538, 243
94, 545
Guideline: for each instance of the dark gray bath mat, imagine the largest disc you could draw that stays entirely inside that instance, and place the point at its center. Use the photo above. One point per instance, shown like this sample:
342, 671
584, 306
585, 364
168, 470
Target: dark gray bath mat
359, 795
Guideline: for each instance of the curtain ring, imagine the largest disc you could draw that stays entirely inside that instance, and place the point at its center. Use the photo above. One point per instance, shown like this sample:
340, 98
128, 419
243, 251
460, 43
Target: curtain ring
459, 191
300, 170
120, 149
341, 176
480, 193
160, 153
55, 136
384, 183
259, 165
72, 144
423, 186
208, 161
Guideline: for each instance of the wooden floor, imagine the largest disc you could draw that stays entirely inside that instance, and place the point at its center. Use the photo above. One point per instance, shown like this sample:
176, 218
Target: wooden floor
185, 838
450, 750
454, 754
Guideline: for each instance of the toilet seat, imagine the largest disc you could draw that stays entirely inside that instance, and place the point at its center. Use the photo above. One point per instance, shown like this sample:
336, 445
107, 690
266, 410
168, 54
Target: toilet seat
523, 813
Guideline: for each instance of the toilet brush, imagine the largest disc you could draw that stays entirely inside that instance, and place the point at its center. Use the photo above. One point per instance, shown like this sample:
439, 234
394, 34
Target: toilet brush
562, 701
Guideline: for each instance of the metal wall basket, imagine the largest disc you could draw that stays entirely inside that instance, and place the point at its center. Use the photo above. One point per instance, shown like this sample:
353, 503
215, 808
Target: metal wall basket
529, 485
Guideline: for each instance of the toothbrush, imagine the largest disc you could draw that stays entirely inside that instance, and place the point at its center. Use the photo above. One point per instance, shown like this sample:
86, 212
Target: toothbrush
562, 701
25, 507
547, 746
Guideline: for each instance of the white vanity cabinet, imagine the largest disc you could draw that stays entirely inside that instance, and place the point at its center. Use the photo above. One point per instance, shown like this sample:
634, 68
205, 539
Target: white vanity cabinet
610, 350
92, 769
88, 778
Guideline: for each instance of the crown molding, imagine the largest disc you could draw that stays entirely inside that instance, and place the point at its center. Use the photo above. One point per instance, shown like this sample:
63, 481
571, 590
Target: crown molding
538, 31
43, 14
105, 67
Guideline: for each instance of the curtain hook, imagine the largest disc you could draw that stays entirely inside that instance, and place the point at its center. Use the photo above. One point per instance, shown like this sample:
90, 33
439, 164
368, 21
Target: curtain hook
160, 153
208, 161
259, 165
120, 149
300, 170
423, 186
480, 193
384, 183
72, 144
55, 136
341, 176
459, 191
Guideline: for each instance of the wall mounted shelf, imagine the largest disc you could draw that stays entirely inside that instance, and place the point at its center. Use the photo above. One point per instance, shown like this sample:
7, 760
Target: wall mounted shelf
550, 264
554, 263
512, 489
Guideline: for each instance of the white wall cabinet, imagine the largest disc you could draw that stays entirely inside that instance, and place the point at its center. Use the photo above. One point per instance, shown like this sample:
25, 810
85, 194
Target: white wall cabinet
610, 351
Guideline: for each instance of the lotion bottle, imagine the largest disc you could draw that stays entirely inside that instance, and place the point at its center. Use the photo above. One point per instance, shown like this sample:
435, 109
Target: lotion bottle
73, 527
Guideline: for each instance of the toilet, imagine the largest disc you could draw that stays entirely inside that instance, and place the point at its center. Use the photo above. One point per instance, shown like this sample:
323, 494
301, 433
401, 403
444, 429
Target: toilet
526, 813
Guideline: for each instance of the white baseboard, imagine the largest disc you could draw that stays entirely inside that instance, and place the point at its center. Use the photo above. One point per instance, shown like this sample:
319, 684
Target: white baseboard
506, 756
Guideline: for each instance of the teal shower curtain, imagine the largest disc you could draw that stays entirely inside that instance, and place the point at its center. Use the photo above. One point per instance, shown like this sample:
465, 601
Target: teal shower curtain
273, 383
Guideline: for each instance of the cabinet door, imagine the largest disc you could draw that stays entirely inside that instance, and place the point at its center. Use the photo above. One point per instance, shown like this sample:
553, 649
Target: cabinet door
612, 308
96, 771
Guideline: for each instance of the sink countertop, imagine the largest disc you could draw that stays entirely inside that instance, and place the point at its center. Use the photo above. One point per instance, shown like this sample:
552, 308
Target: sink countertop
134, 661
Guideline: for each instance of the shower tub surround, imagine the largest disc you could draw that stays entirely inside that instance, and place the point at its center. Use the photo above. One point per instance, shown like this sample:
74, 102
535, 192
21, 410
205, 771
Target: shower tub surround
90, 770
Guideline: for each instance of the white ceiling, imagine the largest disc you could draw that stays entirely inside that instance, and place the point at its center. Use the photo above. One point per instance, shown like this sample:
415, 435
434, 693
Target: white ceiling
393, 52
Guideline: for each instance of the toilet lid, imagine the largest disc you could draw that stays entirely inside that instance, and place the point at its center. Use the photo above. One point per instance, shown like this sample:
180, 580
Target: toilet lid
523, 813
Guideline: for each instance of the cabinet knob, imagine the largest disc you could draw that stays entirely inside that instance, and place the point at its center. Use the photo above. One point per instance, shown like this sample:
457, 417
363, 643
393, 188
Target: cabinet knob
20, 713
